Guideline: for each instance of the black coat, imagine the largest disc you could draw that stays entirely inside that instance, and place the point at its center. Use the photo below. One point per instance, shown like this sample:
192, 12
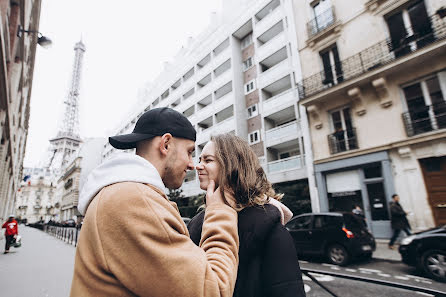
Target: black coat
268, 264
398, 220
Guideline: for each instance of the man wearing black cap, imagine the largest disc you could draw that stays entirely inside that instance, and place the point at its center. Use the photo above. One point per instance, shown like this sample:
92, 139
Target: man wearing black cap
133, 241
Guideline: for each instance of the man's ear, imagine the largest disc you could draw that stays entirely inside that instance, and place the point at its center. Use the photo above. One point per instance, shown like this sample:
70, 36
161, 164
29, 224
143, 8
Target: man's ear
166, 143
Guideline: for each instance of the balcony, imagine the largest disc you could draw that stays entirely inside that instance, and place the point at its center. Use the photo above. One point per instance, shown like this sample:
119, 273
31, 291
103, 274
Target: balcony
321, 22
372, 58
222, 127
285, 164
282, 134
274, 73
279, 102
342, 141
272, 16
426, 119
271, 47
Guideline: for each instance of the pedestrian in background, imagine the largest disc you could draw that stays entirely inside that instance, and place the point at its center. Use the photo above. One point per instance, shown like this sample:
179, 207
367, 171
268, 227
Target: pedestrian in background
398, 220
11, 232
133, 241
268, 260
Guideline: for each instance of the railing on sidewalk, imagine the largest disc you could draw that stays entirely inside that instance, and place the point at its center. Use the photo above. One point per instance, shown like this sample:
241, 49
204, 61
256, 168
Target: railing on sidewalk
386, 283
373, 57
69, 235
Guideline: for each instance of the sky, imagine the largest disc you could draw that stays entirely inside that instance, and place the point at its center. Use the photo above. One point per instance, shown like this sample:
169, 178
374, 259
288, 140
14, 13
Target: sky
126, 42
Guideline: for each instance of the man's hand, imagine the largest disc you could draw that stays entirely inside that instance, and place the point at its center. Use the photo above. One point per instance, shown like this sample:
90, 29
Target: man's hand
213, 196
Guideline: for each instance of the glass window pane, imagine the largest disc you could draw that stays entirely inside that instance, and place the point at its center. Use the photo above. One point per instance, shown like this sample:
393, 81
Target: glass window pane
373, 171
378, 202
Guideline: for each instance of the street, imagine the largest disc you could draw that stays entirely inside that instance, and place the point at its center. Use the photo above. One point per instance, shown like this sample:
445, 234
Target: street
43, 267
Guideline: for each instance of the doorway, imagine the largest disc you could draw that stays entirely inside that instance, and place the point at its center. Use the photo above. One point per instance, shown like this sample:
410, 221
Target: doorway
434, 173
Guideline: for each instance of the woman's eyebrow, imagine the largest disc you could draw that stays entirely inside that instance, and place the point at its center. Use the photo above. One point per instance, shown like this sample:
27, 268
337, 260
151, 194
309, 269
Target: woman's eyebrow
206, 156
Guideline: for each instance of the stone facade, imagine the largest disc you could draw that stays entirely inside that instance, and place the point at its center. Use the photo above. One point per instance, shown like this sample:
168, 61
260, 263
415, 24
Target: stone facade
17, 55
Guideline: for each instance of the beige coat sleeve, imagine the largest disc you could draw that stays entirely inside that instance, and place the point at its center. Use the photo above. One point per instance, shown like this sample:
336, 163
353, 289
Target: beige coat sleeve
147, 248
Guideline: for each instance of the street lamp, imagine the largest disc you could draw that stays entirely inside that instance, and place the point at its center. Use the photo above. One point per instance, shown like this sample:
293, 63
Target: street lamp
43, 41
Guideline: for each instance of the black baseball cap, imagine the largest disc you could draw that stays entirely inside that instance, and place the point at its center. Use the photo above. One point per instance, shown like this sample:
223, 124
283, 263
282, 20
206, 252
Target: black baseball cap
155, 122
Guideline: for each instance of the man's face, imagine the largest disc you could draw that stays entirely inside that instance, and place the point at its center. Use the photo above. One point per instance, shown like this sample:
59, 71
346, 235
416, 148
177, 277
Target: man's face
396, 198
179, 161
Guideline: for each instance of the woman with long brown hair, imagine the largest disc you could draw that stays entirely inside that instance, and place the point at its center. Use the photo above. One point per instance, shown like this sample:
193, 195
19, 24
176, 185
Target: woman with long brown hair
268, 264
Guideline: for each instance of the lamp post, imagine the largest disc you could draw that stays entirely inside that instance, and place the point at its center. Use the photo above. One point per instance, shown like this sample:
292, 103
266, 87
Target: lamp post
42, 40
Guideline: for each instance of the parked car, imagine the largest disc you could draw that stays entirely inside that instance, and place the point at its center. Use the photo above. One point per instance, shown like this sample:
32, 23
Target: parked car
338, 236
69, 223
427, 251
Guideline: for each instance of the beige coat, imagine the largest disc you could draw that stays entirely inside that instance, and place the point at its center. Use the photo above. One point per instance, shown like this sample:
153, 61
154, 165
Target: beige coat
134, 243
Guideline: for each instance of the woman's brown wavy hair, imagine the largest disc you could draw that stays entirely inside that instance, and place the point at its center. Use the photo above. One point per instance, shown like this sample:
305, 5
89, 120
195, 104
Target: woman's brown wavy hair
241, 173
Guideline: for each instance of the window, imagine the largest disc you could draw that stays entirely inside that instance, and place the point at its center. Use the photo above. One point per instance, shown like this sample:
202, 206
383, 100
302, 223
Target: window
252, 111
300, 223
247, 64
325, 222
254, 137
344, 136
323, 16
289, 154
246, 41
250, 86
409, 29
426, 106
332, 66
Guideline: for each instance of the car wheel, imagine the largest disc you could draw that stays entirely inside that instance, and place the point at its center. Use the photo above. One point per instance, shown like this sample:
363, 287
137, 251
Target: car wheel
434, 264
337, 254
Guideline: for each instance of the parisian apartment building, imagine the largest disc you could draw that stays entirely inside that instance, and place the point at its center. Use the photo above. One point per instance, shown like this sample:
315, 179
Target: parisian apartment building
342, 101
374, 87
17, 56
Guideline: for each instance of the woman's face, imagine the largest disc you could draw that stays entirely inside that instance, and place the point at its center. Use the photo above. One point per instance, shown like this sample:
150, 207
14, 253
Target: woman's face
208, 168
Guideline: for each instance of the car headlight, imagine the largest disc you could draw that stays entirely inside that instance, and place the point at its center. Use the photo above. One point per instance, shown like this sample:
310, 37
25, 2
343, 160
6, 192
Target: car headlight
407, 240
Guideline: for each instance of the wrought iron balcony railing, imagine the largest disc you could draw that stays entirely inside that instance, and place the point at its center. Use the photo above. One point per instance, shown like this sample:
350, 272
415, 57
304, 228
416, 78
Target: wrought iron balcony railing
321, 22
373, 57
425, 119
342, 141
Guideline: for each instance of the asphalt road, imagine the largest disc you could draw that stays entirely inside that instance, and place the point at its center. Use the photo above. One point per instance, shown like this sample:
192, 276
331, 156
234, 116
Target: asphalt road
388, 271
43, 267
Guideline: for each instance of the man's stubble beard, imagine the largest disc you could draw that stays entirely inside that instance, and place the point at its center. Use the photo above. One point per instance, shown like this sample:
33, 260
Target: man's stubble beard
170, 179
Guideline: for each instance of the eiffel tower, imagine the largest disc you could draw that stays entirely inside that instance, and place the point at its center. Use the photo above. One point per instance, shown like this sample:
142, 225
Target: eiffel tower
67, 140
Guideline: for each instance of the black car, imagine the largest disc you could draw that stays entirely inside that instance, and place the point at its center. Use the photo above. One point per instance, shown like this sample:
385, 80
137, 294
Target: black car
427, 251
338, 236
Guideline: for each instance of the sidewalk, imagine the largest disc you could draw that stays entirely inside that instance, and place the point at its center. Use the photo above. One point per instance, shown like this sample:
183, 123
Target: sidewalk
42, 267
384, 253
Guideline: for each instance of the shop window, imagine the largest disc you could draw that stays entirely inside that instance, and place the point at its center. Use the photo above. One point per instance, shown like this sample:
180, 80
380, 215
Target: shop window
373, 171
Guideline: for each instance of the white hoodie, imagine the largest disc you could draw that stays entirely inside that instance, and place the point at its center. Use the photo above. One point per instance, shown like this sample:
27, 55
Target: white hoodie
122, 168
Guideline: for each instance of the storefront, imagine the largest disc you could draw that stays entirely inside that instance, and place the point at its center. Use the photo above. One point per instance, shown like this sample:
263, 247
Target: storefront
365, 181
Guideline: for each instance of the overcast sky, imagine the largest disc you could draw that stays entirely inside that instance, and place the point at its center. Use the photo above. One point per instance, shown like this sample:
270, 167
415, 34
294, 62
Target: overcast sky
127, 43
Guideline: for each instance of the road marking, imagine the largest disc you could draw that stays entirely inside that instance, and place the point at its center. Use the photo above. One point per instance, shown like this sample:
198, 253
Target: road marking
335, 268
305, 278
365, 272
370, 270
350, 270
425, 294
384, 275
418, 277
307, 288
304, 262
328, 265
426, 281
401, 277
